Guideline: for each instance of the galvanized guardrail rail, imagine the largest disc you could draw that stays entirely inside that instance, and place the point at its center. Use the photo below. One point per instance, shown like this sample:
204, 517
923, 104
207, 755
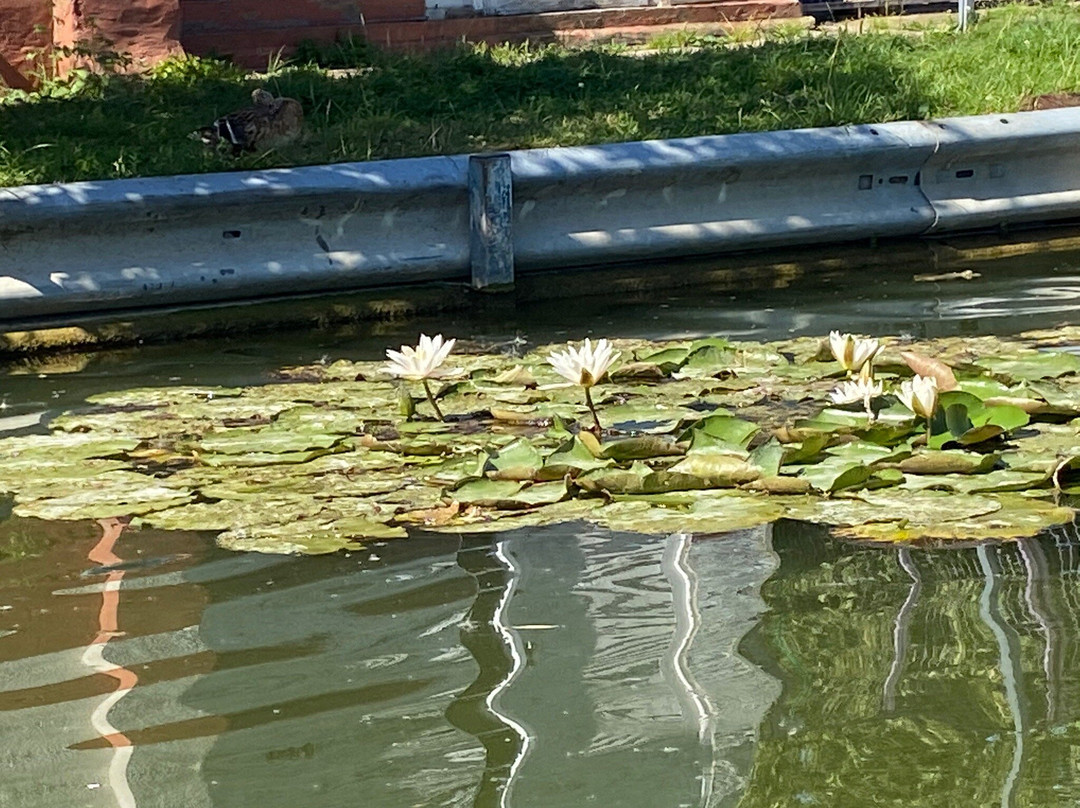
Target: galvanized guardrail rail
69, 249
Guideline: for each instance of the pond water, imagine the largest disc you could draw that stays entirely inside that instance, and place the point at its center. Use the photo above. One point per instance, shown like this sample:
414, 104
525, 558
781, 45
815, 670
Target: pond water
557, 666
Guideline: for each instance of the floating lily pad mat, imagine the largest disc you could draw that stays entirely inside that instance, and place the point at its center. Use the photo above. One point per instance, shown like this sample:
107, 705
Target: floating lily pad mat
702, 436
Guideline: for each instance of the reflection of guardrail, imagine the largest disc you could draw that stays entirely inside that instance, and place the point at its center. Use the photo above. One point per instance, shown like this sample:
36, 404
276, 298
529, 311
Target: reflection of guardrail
168, 240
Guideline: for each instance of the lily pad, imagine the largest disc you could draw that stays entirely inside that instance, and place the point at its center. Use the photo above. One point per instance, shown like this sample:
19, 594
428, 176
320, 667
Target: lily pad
324, 457
733, 511
718, 468
1030, 365
1017, 516
316, 538
572, 457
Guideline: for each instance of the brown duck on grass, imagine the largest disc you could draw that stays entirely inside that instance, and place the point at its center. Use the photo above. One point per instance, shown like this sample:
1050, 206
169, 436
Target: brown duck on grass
269, 122
1050, 101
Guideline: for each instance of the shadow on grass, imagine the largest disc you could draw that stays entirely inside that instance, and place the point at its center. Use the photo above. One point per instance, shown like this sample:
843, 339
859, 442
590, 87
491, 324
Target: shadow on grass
480, 99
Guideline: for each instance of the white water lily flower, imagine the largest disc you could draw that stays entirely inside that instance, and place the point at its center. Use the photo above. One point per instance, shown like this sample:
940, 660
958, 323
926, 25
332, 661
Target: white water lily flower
861, 390
853, 352
422, 362
585, 365
920, 395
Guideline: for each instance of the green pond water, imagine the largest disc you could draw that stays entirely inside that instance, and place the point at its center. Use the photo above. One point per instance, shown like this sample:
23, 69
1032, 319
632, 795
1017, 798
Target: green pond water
559, 666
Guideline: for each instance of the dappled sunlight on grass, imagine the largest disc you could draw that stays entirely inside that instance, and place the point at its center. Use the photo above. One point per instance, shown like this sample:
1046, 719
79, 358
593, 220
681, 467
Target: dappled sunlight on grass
483, 98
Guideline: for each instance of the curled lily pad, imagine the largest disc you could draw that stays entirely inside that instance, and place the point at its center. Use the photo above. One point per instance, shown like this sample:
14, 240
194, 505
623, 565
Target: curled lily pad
638, 479
948, 461
641, 447
570, 458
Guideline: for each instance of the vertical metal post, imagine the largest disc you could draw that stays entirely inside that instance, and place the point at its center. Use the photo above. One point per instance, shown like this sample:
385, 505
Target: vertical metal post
963, 14
490, 219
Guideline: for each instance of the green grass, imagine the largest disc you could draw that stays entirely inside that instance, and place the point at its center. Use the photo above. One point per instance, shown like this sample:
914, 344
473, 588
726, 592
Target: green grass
474, 99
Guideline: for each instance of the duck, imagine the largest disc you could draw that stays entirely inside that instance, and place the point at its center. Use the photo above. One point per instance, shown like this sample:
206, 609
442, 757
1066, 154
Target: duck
1058, 100
268, 123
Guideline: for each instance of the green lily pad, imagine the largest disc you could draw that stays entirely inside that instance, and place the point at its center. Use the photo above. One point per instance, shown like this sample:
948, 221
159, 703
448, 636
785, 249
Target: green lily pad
1029, 366
768, 458
490, 493
572, 457
723, 514
722, 431
718, 468
641, 447
115, 493
889, 506
315, 538
836, 474
991, 482
519, 460
948, 461
1017, 517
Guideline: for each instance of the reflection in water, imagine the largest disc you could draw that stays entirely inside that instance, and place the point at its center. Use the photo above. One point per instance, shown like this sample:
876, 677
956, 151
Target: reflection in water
498, 650
696, 704
551, 667
978, 645
901, 629
1008, 662
94, 658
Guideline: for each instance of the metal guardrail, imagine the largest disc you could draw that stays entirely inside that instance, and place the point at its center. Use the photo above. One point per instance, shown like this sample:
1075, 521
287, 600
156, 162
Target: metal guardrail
73, 248
168, 240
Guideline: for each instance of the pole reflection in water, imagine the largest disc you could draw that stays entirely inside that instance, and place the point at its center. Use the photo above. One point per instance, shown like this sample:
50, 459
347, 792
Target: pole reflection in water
1037, 571
601, 656
498, 650
1008, 663
901, 629
696, 705
979, 705
94, 658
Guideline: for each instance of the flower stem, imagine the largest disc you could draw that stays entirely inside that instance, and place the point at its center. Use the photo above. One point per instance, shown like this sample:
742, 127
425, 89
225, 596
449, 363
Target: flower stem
927, 433
431, 401
592, 409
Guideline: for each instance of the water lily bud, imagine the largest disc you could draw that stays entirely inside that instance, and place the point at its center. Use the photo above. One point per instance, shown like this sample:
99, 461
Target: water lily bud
853, 353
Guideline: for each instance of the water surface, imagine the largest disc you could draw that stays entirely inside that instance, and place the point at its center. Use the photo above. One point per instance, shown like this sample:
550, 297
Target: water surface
562, 666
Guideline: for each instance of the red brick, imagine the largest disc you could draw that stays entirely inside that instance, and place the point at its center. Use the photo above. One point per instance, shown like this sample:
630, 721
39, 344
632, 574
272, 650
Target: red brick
385, 10
18, 20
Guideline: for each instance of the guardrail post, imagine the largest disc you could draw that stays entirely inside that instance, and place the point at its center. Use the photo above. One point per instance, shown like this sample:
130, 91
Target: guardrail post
490, 218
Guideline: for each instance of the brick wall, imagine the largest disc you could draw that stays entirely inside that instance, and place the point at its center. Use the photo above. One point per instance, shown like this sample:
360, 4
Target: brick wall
17, 36
253, 32
148, 30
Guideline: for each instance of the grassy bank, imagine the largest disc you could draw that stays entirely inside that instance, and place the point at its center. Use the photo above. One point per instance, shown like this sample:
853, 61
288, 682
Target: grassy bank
478, 99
